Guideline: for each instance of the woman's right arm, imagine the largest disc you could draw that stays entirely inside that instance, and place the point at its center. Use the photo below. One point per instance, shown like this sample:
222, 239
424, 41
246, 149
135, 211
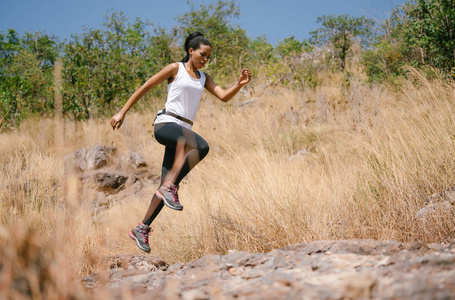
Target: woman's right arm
167, 72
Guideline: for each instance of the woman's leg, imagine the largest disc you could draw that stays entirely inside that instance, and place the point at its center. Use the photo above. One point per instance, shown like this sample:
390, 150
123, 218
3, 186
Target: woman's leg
173, 160
184, 149
175, 167
156, 204
196, 148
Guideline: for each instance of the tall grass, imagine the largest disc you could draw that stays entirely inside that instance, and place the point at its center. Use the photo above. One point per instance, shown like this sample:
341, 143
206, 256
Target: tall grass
346, 160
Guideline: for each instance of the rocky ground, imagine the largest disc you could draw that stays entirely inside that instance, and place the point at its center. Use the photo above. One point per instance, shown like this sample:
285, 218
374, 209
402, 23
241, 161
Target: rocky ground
351, 269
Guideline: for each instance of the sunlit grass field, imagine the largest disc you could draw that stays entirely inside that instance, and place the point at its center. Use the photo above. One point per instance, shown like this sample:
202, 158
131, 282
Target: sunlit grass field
345, 160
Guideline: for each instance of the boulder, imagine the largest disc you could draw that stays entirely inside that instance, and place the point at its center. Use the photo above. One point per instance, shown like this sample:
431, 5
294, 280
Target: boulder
109, 181
136, 160
75, 162
96, 158
438, 204
86, 160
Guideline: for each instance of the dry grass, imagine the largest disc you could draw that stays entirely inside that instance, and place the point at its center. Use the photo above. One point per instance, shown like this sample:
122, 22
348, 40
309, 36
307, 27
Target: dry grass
372, 156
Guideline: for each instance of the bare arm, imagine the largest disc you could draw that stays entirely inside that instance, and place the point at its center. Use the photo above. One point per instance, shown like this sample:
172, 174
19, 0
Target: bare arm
226, 95
167, 72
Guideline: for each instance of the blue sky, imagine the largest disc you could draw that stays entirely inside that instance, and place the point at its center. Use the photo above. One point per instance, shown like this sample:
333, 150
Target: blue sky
276, 19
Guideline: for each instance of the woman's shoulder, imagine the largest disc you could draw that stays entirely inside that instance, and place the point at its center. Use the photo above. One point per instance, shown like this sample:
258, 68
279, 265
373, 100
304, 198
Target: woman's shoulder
171, 69
173, 66
207, 76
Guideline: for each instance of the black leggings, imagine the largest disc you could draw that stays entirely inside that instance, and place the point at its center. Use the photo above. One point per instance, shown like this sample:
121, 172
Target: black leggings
196, 148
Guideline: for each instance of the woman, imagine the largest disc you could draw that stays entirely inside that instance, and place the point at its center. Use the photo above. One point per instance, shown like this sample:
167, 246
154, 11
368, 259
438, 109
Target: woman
173, 125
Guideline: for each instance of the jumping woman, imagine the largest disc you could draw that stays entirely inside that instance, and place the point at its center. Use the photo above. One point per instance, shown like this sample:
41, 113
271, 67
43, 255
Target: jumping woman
173, 125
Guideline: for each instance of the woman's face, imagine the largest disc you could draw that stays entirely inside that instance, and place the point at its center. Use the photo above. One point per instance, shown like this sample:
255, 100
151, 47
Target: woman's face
200, 56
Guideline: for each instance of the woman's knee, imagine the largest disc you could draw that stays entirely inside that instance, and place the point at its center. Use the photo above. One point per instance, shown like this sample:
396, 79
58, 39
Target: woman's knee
203, 150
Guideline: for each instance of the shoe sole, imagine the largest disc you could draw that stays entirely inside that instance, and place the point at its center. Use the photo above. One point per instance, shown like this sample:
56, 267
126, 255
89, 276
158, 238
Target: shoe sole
159, 195
131, 235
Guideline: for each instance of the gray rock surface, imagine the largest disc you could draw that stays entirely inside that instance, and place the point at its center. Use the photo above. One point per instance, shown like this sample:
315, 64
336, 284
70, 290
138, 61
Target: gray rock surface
86, 160
443, 202
108, 177
96, 158
350, 269
109, 181
137, 161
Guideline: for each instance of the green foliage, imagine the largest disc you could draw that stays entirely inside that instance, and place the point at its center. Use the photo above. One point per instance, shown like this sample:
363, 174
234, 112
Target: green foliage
299, 73
261, 58
384, 62
103, 67
428, 33
25, 75
420, 34
340, 32
290, 47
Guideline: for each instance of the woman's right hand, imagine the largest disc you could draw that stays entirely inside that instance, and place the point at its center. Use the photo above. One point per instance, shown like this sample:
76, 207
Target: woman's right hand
117, 120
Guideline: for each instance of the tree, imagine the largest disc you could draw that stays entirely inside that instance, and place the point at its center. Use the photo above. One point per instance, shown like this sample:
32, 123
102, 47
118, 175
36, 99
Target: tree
418, 33
341, 32
103, 67
384, 60
291, 47
261, 56
427, 28
25, 75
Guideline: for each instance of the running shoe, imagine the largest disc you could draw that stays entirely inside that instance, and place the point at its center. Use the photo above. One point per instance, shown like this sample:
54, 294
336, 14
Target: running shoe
168, 193
140, 234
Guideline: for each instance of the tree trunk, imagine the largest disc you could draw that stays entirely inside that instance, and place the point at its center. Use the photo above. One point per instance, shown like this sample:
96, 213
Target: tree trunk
58, 104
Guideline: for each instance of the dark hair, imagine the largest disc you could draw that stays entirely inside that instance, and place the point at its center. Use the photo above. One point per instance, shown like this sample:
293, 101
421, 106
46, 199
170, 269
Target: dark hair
194, 41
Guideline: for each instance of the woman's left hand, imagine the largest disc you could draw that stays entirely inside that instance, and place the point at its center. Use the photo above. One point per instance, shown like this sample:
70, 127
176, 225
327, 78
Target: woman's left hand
245, 77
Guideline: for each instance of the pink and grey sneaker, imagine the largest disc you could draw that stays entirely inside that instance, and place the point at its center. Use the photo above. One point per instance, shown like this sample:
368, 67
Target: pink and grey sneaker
168, 193
140, 234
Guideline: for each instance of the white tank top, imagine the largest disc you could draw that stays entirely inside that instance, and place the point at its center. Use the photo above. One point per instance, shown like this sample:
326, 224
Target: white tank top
183, 97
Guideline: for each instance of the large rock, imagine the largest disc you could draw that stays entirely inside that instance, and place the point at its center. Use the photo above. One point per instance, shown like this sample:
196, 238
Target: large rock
137, 161
86, 160
75, 162
96, 158
109, 181
107, 177
438, 204
352, 269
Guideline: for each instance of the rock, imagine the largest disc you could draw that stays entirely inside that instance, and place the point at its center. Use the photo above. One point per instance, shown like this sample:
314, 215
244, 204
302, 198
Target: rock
79, 158
110, 181
351, 269
96, 158
108, 177
75, 162
195, 295
83, 159
435, 209
137, 262
137, 161
437, 204
446, 195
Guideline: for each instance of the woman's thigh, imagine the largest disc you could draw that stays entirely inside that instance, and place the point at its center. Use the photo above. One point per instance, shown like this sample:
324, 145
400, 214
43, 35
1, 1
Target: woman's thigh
168, 134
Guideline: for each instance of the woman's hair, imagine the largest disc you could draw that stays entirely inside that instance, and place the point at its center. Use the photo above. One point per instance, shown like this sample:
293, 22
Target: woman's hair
194, 41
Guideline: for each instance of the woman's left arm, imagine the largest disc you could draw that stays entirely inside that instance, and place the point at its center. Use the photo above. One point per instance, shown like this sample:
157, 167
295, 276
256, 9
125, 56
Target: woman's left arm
226, 95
